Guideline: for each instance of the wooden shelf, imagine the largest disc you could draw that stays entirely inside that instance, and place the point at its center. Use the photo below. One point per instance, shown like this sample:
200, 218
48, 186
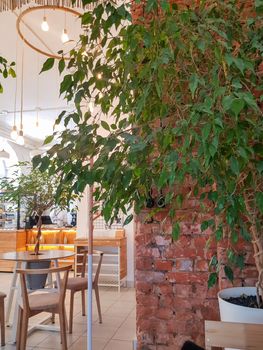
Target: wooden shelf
113, 272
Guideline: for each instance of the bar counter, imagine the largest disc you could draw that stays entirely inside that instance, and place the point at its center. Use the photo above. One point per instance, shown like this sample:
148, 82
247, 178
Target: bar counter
21, 240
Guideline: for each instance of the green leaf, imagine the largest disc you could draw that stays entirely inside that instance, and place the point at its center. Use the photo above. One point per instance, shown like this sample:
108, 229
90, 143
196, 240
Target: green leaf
212, 280
48, 139
193, 84
234, 165
206, 131
229, 273
219, 234
259, 201
237, 105
48, 64
61, 65
128, 219
176, 231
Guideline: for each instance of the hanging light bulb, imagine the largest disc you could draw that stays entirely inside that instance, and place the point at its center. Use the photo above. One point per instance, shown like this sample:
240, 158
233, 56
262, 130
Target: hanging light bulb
99, 76
64, 36
20, 140
14, 133
4, 154
44, 25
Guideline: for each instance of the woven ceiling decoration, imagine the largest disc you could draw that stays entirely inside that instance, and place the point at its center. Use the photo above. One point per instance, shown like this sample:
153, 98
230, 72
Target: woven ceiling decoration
11, 5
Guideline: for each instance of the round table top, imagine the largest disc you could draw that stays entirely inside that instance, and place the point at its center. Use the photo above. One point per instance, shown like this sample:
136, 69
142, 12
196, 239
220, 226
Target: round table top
29, 256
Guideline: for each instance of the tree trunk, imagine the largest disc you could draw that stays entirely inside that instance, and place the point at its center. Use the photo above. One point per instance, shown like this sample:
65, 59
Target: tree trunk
39, 224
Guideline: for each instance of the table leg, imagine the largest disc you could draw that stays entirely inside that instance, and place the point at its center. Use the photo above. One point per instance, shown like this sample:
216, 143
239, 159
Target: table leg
11, 294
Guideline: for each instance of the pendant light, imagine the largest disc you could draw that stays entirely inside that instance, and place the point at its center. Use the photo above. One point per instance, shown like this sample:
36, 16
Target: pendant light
20, 140
44, 24
14, 133
4, 154
64, 36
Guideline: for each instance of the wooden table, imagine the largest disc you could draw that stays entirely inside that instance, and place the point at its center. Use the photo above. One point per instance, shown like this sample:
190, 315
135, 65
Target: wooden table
21, 259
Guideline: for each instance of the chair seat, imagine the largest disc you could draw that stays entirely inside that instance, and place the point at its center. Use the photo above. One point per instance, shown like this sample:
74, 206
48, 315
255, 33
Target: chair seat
43, 301
77, 283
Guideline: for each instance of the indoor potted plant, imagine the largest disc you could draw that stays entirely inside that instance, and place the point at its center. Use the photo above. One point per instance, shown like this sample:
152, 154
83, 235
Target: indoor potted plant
184, 92
34, 191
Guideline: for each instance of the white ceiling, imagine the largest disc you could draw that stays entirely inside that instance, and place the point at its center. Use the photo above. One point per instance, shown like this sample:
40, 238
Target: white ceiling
45, 85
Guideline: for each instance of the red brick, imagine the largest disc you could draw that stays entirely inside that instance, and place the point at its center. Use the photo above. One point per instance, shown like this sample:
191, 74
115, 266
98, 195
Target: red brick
201, 265
143, 263
164, 313
184, 265
187, 277
163, 265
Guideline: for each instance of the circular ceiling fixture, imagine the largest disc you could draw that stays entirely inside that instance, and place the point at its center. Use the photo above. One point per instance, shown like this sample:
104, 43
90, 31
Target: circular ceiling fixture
32, 24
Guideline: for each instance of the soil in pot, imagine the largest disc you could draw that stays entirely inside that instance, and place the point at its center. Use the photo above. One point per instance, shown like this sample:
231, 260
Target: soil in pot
244, 300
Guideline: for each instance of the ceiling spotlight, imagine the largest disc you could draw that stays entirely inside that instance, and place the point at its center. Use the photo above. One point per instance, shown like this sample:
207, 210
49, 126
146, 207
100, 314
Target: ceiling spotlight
20, 140
14, 133
44, 25
64, 36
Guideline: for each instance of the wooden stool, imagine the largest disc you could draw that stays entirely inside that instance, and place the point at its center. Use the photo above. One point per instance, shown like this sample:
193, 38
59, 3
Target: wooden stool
2, 317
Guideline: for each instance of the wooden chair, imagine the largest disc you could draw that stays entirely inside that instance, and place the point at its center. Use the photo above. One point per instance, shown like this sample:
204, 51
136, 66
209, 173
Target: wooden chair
52, 301
245, 336
80, 284
2, 317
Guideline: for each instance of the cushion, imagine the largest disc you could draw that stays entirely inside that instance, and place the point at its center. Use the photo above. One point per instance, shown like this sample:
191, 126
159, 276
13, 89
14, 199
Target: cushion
77, 283
43, 301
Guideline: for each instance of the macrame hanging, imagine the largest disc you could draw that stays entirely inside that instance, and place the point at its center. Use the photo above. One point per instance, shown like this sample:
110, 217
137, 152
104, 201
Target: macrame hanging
11, 5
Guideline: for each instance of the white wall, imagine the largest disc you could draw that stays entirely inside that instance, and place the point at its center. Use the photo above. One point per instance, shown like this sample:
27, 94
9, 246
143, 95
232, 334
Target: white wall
82, 231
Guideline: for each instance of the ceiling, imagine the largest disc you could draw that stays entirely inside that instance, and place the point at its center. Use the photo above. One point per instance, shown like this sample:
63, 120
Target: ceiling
41, 92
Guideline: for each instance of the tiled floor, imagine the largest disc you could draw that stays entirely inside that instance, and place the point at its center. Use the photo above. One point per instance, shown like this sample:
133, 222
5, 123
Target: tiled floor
117, 331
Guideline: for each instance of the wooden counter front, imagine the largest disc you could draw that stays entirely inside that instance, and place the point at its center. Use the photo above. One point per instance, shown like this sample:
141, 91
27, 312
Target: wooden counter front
11, 241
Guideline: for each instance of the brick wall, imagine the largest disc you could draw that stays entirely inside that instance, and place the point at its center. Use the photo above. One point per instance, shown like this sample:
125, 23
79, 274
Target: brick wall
171, 284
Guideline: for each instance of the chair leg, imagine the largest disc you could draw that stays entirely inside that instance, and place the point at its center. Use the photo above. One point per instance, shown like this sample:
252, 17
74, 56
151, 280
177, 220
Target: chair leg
96, 289
19, 325
2, 320
83, 302
23, 337
53, 318
62, 321
71, 311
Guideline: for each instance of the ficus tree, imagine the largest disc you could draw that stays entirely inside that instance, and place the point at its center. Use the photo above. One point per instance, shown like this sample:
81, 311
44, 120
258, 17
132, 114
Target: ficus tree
33, 190
178, 93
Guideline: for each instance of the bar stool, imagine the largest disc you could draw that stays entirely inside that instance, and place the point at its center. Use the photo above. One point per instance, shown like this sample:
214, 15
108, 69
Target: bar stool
2, 317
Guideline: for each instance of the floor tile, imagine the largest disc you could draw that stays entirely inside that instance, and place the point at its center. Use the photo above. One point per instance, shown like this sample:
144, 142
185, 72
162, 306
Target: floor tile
118, 345
115, 333
81, 343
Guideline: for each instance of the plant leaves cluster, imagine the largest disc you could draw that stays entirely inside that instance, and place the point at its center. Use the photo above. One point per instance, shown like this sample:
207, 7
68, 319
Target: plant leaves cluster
6, 70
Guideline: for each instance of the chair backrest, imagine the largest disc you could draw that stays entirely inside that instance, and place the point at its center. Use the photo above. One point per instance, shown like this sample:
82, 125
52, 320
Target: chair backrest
245, 336
84, 264
55, 270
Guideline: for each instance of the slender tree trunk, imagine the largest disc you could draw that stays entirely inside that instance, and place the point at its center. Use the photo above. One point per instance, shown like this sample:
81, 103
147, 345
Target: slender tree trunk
257, 241
39, 224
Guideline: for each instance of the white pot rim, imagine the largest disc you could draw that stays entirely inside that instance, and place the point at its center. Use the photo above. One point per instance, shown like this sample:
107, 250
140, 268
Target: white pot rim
236, 292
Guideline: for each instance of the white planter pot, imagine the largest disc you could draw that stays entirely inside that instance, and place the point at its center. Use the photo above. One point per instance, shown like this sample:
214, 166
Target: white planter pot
235, 313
